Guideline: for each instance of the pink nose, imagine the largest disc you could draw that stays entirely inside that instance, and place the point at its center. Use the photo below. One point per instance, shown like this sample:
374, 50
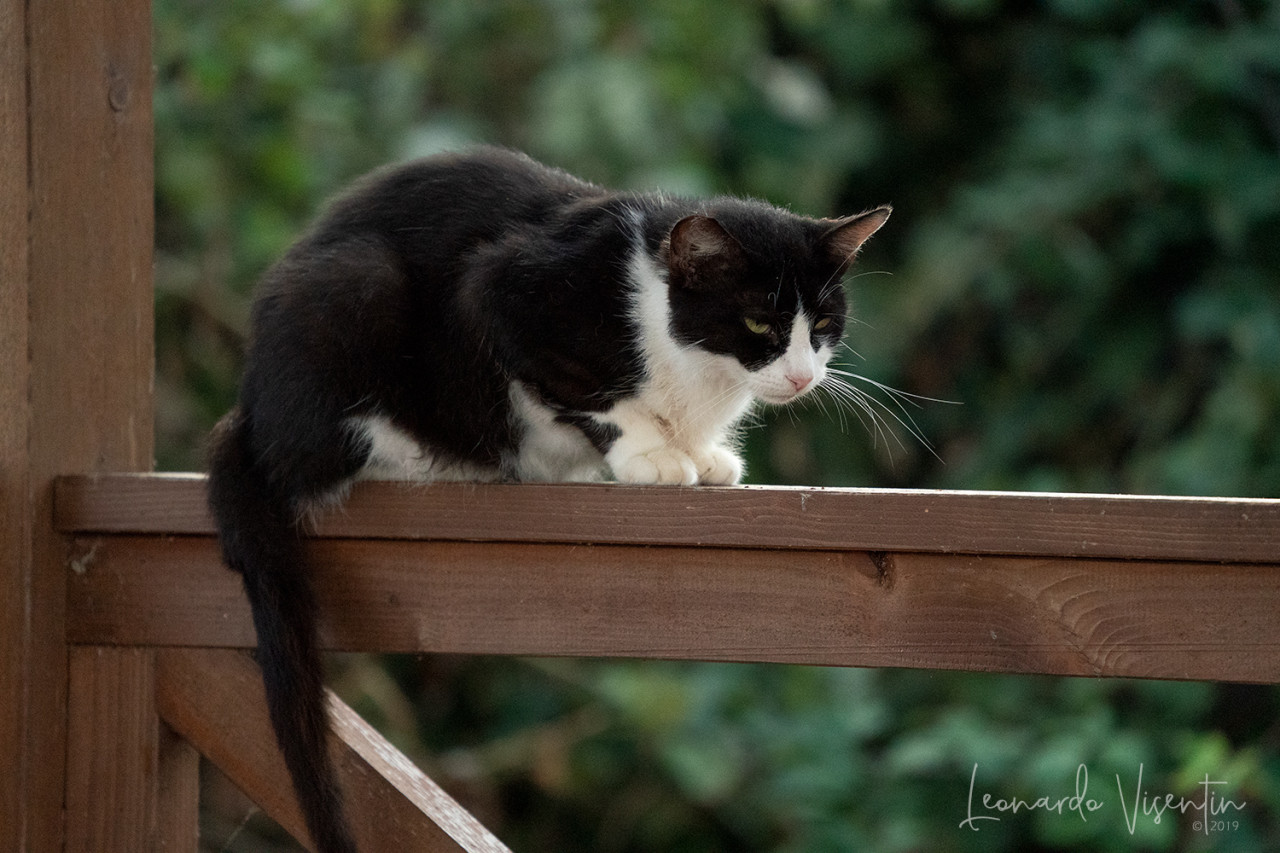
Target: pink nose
799, 381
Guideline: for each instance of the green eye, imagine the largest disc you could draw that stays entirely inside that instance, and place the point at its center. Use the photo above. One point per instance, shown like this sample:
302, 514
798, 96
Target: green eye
756, 327
822, 324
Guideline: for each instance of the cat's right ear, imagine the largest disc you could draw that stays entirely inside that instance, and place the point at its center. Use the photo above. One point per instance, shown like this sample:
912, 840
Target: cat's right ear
846, 236
701, 254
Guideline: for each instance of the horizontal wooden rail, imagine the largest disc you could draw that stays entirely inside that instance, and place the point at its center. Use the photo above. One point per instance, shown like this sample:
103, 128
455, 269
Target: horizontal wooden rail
543, 570
768, 517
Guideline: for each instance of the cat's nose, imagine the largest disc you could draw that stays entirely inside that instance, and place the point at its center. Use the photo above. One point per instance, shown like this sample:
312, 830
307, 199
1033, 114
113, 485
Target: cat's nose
799, 381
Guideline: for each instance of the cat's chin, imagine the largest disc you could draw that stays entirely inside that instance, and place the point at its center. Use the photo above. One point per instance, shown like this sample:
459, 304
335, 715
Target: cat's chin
774, 397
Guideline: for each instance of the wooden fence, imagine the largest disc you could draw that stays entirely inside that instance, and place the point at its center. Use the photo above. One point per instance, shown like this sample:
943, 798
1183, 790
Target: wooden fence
121, 635
1061, 584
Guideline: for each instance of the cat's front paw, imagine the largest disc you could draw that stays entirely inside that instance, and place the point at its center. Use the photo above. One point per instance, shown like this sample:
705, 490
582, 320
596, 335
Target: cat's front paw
662, 466
717, 466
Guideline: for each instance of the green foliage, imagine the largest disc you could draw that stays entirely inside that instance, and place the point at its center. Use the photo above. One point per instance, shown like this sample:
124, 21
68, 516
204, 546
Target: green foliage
1084, 258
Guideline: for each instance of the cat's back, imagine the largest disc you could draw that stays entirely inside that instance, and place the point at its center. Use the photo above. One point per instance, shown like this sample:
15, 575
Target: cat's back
403, 236
454, 197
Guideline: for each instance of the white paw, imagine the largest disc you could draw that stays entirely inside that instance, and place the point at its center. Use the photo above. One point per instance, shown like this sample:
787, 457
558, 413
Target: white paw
717, 466
662, 466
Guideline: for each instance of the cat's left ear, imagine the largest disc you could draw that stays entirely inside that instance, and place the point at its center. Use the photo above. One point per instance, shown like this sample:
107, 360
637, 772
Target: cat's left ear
846, 236
702, 254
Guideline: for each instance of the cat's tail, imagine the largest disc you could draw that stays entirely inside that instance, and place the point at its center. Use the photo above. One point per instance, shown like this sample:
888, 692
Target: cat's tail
260, 539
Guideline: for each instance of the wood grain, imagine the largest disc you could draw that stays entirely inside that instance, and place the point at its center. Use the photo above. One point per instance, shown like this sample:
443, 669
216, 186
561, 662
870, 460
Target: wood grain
422, 815
113, 733
17, 515
178, 801
214, 699
92, 232
216, 705
848, 608
1113, 526
76, 339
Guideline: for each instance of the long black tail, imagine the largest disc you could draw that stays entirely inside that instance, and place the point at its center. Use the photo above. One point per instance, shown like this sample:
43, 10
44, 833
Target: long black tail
260, 540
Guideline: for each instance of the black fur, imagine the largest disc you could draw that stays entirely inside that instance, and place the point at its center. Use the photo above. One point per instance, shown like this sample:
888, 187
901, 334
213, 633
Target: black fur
420, 297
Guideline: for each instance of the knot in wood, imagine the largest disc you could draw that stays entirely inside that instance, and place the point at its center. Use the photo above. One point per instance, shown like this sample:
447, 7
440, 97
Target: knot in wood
119, 92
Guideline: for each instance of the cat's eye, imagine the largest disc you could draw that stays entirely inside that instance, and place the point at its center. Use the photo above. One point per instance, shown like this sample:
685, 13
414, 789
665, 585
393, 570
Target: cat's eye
824, 323
756, 327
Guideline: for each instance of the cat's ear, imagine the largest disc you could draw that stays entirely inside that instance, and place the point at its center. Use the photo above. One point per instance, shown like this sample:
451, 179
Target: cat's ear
702, 254
845, 236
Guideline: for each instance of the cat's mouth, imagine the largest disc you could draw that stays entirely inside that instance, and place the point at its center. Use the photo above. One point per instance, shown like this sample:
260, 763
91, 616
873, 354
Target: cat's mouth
779, 390
781, 398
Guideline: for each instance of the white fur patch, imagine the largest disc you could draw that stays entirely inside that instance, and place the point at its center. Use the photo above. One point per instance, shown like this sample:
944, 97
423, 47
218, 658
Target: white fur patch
551, 451
396, 455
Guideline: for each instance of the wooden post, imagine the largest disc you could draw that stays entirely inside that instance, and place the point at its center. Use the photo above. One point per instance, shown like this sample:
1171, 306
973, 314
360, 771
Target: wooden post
113, 750
15, 511
76, 345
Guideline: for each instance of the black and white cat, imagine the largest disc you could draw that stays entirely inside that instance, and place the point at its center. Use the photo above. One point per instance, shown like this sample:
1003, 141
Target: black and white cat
480, 316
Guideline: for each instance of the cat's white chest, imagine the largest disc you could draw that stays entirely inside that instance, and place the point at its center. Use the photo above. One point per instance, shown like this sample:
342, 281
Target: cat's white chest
677, 429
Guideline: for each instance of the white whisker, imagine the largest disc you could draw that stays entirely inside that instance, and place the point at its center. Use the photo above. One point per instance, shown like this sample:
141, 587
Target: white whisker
856, 354
870, 272
861, 405
874, 413
895, 392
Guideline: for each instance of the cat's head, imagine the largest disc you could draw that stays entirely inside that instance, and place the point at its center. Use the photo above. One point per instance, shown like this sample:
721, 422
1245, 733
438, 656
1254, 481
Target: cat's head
764, 287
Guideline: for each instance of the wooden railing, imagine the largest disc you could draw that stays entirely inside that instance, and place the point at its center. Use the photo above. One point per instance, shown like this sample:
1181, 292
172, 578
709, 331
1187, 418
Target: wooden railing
121, 636
1057, 584
1060, 584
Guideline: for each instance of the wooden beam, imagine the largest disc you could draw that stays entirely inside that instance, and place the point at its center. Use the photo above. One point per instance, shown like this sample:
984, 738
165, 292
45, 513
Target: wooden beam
1023, 524
112, 789
92, 234
17, 515
76, 344
178, 800
215, 700
1062, 616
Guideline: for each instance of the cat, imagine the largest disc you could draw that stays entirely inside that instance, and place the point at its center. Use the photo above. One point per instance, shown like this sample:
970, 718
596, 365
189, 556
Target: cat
480, 316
